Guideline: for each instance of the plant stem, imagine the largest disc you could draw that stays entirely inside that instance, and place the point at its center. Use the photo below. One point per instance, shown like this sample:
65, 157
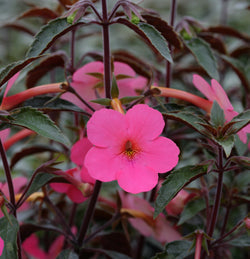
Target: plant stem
223, 13
168, 64
218, 193
11, 193
106, 50
198, 245
8, 176
239, 224
108, 223
89, 213
72, 51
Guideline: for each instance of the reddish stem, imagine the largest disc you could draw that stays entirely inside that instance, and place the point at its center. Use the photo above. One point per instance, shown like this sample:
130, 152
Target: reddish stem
13, 100
198, 245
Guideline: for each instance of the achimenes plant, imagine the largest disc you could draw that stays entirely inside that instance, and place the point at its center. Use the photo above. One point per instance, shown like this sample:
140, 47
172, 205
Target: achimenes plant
176, 169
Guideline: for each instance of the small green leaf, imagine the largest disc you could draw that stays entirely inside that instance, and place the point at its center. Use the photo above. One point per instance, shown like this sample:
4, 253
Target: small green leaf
102, 101
191, 209
39, 181
135, 19
114, 88
227, 143
129, 99
242, 241
48, 34
40, 123
6, 213
174, 183
157, 40
8, 233
7, 72
178, 249
190, 116
241, 120
71, 18
67, 254
217, 115
48, 103
162, 255
204, 56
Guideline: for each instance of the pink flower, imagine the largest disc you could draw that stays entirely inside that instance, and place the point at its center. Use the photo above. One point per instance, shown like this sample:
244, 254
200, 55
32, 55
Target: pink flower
128, 148
31, 247
176, 205
158, 228
80, 175
215, 92
1, 246
89, 87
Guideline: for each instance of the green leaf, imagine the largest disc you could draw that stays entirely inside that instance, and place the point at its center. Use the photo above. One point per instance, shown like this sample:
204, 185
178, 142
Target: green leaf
48, 34
129, 99
48, 103
67, 254
102, 101
174, 183
190, 116
242, 241
162, 255
204, 56
227, 143
217, 115
40, 123
178, 249
39, 181
7, 72
114, 88
157, 40
191, 209
241, 120
8, 233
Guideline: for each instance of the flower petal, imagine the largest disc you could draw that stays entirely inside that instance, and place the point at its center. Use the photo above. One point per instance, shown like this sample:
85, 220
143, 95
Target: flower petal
102, 164
204, 87
1, 246
221, 96
81, 74
144, 122
60, 187
106, 128
79, 150
75, 195
11, 83
161, 154
136, 178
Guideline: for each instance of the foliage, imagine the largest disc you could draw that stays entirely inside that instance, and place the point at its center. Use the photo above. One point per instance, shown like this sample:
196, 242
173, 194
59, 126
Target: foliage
82, 156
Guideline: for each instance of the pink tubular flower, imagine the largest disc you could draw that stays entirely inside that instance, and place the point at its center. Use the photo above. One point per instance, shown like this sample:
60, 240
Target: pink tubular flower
158, 228
176, 205
128, 148
80, 175
1, 246
215, 92
90, 87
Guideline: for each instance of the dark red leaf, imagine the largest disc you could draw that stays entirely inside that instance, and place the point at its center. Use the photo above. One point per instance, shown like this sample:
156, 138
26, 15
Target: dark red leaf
166, 30
45, 13
228, 31
54, 60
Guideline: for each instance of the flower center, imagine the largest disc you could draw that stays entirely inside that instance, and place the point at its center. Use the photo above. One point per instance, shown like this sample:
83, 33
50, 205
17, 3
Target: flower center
129, 150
